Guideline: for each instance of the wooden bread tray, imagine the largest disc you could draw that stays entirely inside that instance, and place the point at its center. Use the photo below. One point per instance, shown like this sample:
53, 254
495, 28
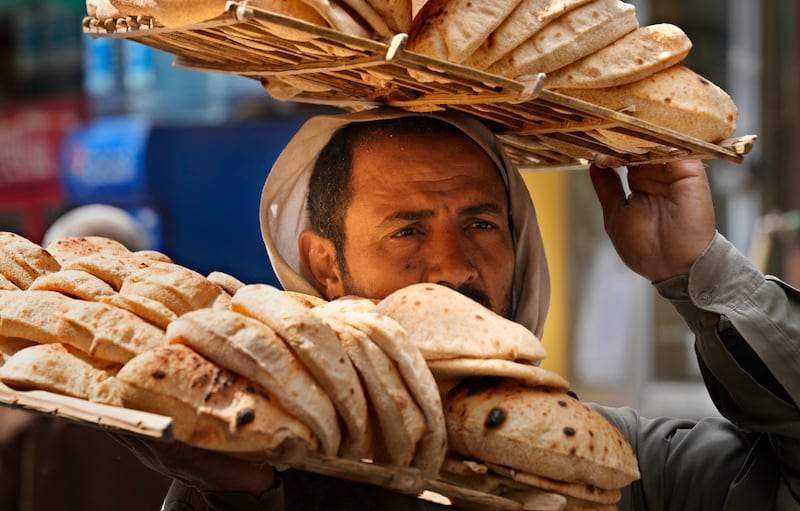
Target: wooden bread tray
405, 480
541, 129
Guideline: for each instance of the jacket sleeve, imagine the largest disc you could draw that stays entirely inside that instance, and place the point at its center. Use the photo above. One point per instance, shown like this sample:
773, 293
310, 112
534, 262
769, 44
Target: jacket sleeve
747, 329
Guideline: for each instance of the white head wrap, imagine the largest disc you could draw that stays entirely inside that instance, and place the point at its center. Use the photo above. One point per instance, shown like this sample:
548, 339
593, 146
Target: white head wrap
284, 216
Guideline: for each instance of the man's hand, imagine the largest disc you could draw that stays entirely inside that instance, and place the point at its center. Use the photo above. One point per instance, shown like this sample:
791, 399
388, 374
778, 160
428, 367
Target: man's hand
666, 222
200, 468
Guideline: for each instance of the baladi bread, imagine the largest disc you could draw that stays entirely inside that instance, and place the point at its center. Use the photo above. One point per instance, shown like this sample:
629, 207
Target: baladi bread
395, 13
317, 346
457, 369
62, 369
253, 350
528, 18
445, 324
226, 281
641, 53
540, 431
676, 98
148, 309
340, 17
180, 289
576, 34
7, 285
22, 261
453, 29
11, 345
36, 317
75, 283
398, 420
109, 267
211, 407
68, 248
393, 340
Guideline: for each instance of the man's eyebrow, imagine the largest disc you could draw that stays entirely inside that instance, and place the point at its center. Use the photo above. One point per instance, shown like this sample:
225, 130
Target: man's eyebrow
481, 209
409, 215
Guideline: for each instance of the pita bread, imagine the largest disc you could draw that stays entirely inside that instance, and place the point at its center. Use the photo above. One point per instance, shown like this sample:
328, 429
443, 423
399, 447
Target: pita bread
36, 317
226, 281
211, 407
393, 340
306, 300
150, 310
22, 261
395, 13
400, 423
111, 333
75, 283
347, 304
109, 267
61, 369
253, 350
7, 285
676, 98
530, 375
453, 29
445, 324
582, 492
11, 345
540, 431
637, 55
69, 248
578, 33
152, 255
180, 289
528, 18
317, 346
340, 18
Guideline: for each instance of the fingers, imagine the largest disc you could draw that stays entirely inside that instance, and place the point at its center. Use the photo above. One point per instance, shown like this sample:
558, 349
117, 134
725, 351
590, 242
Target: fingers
608, 187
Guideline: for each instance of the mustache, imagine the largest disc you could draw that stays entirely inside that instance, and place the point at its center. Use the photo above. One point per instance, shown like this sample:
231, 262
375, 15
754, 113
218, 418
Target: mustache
471, 292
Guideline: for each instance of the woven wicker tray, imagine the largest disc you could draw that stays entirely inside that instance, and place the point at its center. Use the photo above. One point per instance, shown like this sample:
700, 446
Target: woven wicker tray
541, 129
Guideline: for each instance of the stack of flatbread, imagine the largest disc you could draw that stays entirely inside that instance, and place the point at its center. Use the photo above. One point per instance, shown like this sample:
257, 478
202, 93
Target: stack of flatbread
424, 378
592, 50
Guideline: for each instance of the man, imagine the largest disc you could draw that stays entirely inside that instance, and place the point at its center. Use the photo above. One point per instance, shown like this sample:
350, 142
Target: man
438, 201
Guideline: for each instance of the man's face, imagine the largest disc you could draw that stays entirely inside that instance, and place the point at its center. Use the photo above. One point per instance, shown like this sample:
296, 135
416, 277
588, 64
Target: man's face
428, 210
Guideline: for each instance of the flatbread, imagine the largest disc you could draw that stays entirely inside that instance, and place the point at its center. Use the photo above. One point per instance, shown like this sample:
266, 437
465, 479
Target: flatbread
453, 29
180, 289
528, 18
393, 340
530, 375
62, 369
400, 423
75, 283
578, 33
317, 346
22, 261
637, 55
252, 349
226, 281
676, 98
445, 324
395, 13
306, 300
11, 345
148, 309
36, 317
582, 492
540, 431
68, 248
7, 285
211, 407
339, 17
112, 268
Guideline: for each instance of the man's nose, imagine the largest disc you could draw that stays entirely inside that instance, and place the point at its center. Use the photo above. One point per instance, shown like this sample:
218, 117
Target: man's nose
449, 262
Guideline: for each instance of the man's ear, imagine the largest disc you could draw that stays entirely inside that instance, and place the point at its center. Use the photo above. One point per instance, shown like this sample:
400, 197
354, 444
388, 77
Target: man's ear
319, 257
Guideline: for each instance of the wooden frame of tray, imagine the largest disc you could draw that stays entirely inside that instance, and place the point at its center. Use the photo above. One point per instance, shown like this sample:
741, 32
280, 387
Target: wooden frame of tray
541, 129
405, 480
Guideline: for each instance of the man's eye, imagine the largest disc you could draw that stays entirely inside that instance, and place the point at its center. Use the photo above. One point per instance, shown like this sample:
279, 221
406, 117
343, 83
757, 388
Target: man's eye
405, 232
483, 224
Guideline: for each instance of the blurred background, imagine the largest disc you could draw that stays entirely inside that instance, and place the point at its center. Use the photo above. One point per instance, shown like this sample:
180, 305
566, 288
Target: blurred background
99, 120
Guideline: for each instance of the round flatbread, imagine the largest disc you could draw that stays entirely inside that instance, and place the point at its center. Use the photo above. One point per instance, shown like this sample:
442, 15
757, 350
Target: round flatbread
637, 55
400, 423
578, 33
150, 310
252, 349
62, 369
444, 324
11, 345
530, 375
583, 492
75, 283
528, 18
317, 346
537, 430
211, 407
22, 261
68, 248
226, 281
676, 98
111, 268
453, 29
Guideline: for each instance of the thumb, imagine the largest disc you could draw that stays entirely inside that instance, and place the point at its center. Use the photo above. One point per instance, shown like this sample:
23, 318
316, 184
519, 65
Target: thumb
608, 187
